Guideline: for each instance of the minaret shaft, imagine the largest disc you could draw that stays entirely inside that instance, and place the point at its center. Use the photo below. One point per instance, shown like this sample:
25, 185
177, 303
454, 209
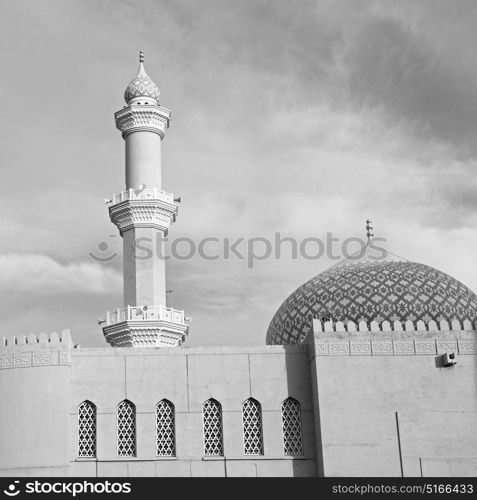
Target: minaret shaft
144, 267
144, 270
143, 160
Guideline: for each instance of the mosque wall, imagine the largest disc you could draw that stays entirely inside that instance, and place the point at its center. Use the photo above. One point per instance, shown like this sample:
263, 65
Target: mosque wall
188, 377
390, 408
34, 395
44, 379
439, 442
375, 410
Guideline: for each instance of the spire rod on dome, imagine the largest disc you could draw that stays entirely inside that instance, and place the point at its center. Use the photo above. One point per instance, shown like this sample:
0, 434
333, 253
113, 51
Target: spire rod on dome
369, 229
141, 56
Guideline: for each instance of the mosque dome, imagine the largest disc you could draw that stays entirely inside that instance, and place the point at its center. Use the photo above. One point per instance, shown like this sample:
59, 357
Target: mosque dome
141, 89
372, 290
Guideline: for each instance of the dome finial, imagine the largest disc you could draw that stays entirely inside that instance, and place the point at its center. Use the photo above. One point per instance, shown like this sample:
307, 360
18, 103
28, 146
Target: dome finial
369, 229
141, 56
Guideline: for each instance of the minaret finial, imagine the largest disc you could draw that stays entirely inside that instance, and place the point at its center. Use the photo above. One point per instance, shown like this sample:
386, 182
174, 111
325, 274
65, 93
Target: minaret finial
141, 88
369, 229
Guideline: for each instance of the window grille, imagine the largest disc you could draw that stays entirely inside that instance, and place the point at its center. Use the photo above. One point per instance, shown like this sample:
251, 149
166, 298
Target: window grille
165, 429
126, 429
87, 429
252, 427
212, 416
292, 435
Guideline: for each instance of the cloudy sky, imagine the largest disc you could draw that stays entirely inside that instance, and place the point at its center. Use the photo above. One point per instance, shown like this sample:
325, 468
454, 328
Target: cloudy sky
299, 117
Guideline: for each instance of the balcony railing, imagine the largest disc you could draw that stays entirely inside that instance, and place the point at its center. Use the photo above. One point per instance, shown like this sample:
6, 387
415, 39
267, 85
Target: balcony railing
143, 194
146, 313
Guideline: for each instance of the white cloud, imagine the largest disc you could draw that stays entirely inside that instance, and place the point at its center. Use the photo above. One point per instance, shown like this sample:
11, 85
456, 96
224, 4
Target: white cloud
269, 134
42, 274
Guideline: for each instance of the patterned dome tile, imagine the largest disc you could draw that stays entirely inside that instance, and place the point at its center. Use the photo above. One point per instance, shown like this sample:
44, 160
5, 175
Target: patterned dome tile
372, 291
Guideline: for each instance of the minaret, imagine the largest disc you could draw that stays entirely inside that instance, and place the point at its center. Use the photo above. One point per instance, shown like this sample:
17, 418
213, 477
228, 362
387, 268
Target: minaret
143, 214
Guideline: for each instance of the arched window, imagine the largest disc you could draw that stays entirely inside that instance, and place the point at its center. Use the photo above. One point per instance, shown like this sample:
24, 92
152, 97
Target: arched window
165, 429
126, 429
252, 427
292, 435
212, 416
87, 429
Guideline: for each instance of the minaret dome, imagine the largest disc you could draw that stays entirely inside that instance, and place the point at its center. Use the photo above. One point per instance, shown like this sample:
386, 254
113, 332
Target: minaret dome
141, 89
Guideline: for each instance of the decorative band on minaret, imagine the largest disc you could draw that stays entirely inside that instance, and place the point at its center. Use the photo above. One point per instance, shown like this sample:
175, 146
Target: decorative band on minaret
143, 214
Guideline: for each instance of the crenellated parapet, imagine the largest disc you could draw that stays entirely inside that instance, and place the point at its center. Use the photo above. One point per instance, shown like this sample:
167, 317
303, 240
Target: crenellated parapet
54, 339
33, 350
396, 339
386, 327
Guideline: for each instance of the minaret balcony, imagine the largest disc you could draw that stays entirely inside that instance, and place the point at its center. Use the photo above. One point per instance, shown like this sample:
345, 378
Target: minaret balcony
147, 326
143, 208
143, 194
143, 117
146, 313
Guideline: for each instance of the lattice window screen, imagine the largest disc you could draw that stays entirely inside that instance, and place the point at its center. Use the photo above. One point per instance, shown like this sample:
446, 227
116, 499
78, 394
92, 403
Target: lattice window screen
212, 415
252, 427
165, 429
292, 435
126, 429
87, 429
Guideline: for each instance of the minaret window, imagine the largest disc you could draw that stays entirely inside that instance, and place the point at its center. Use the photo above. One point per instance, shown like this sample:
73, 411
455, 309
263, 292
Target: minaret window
252, 427
165, 429
87, 429
213, 439
126, 429
292, 434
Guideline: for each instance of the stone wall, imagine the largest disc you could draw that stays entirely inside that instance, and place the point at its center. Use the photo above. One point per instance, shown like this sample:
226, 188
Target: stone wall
188, 377
373, 403
34, 392
386, 406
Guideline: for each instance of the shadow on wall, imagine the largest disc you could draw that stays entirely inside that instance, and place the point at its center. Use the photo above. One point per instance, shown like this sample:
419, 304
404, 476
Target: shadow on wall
301, 388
